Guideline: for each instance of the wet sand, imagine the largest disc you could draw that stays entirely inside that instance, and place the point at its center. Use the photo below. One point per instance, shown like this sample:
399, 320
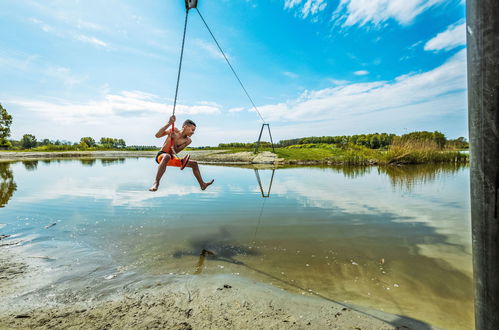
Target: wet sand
169, 301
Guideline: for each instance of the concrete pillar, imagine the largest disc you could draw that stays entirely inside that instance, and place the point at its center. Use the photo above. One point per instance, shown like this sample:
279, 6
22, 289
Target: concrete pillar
483, 105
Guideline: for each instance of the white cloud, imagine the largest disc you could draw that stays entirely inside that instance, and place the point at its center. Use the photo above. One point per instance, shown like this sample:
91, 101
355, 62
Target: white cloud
313, 7
44, 27
90, 40
361, 73
377, 12
309, 7
338, 82
124, 104
454, 36
291, 3
290, 74
209, 49
408, 96
64, 33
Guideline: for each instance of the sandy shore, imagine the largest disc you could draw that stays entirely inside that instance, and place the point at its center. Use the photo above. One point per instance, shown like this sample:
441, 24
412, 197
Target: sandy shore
202, 156
168, 302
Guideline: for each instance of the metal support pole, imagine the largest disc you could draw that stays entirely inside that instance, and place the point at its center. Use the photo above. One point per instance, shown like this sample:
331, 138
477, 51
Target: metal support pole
260, 137
483, 105
271, 141
257, 174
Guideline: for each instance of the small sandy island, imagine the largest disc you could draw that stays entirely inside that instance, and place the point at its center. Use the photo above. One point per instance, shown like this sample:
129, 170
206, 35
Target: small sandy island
133, 301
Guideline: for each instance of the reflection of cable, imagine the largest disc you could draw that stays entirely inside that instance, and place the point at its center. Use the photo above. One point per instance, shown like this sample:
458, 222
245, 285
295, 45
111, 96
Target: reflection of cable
259, 219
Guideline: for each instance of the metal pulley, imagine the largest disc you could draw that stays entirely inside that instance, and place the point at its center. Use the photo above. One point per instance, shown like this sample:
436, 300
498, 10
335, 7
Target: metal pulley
189, 4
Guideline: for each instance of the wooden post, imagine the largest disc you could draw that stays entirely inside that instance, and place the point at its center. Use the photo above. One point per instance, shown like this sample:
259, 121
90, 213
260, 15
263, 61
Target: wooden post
483, 107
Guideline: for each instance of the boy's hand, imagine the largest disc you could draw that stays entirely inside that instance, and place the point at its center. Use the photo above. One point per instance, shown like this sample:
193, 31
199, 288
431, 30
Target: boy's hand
172, 120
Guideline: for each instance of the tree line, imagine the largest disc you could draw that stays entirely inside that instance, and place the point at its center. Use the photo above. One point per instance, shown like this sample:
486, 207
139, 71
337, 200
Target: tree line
372, 141
29, 141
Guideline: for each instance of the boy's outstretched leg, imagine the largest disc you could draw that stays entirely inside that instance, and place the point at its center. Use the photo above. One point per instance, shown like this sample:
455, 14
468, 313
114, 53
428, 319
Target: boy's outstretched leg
161, 171
195, 170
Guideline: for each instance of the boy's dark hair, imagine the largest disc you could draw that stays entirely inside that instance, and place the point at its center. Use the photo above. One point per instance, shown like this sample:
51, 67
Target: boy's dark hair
189, 122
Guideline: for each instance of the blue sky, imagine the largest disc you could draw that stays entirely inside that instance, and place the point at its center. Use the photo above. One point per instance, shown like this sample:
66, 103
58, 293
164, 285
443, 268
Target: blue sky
71, 68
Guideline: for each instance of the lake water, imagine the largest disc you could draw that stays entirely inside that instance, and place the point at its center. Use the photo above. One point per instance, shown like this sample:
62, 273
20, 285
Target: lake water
396, 239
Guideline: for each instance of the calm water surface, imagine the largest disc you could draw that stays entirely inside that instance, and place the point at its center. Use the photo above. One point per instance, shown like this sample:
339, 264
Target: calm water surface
395, 239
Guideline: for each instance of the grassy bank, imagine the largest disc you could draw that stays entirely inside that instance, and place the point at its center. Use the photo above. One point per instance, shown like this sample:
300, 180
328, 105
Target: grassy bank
409, 152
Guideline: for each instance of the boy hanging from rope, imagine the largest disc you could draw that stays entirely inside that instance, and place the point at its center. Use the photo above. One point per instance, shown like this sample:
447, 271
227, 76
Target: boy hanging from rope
175, 142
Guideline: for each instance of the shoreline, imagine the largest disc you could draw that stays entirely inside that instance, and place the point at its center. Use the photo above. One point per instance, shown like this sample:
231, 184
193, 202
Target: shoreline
208, 157
201, 156
170, 301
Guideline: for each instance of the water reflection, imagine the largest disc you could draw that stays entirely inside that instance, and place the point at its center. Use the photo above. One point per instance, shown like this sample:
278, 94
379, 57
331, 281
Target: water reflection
112, 161
350, 171
88, 162
407, 177
341, 233
265, 192
30, 165
7, 184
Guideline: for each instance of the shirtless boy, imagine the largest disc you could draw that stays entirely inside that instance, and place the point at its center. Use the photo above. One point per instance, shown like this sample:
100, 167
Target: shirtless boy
166, 156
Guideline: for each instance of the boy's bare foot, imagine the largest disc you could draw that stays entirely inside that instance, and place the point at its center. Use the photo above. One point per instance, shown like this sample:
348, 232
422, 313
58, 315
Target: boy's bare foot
154, 187
206, 184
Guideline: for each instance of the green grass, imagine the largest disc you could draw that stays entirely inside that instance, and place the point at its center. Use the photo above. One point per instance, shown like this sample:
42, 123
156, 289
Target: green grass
358, 155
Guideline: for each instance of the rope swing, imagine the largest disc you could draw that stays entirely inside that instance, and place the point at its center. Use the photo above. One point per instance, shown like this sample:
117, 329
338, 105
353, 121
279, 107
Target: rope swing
192, 4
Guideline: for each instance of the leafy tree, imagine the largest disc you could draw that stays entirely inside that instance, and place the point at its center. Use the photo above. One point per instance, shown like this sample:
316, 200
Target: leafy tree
44, 142
5, 122
459, 143
7, 184
437, 137
87, 142
28, 141
112, 143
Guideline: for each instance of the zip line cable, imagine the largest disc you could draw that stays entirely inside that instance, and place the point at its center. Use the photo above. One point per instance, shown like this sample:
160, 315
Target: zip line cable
233, 71
180, 63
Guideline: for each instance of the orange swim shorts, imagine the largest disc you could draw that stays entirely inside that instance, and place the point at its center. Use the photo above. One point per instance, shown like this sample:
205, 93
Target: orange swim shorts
174, 161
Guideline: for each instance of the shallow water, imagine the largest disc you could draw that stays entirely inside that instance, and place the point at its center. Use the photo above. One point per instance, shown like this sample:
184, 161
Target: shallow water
395, 239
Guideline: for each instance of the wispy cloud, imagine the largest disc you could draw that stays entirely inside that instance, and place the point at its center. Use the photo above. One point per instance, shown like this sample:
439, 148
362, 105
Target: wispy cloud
124, 104
43, 26
290, 74
91, 40
378, 12
407, 96
210, 49
65, 33
291, 3
361, 73
338, 82
306, 8
452, 37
